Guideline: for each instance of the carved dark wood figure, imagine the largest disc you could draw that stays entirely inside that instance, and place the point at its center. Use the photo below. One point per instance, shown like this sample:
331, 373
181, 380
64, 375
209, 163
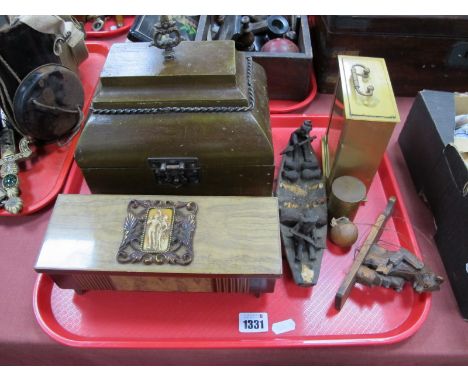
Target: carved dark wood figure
377, 266
390, 269
303, 211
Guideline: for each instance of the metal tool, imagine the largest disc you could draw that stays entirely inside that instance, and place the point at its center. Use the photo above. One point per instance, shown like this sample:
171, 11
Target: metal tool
98, 24
119, 20
277, 26
229, 27
245, 38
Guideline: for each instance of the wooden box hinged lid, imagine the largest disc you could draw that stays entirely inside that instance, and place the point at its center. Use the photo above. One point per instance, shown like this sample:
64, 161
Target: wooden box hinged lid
234, 236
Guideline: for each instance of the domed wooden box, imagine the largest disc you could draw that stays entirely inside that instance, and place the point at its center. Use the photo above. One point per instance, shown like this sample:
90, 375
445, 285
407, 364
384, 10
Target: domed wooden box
195, 125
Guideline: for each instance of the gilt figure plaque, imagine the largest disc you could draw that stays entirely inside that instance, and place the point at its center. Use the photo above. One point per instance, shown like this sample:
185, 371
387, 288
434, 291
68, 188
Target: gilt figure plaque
158, 232
158, 229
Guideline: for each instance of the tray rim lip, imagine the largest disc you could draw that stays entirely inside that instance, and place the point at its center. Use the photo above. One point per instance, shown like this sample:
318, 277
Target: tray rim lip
111, 33
384, 338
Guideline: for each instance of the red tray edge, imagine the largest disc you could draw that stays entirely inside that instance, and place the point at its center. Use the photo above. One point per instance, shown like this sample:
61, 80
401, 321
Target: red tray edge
283, 107
45, 283
421, 305
112, 33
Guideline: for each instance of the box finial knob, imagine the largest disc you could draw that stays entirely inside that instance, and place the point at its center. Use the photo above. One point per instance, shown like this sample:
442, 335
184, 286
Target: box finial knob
166, 36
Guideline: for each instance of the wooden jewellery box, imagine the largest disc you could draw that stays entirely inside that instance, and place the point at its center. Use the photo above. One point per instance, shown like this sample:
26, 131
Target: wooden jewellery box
163, 243
197, 124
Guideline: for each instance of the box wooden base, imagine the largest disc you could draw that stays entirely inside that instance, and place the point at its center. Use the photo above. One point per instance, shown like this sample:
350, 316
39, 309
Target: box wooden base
85, 281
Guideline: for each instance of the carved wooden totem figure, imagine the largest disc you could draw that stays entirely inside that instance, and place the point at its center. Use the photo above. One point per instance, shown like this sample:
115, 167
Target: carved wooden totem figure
303, 209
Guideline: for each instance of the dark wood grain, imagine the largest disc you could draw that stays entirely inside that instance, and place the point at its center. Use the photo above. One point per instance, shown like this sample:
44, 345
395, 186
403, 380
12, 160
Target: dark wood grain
418, 55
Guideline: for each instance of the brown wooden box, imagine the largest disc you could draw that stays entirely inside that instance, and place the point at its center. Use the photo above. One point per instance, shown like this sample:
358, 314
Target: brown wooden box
197, 125
288, 74
236, 246
421, 52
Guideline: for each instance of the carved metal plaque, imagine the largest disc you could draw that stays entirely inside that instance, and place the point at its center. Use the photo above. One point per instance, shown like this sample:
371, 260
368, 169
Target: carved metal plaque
158, 232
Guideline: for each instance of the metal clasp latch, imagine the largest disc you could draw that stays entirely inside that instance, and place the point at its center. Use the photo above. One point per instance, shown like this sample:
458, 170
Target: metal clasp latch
175, 171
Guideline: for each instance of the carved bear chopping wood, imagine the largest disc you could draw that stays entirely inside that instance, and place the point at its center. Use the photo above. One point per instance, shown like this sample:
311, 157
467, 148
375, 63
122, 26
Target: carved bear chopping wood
390, 269
377, 266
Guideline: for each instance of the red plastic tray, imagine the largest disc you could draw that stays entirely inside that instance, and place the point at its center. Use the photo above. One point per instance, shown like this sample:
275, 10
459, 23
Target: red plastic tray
285, 106
371, 316
43, 176
107, 32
